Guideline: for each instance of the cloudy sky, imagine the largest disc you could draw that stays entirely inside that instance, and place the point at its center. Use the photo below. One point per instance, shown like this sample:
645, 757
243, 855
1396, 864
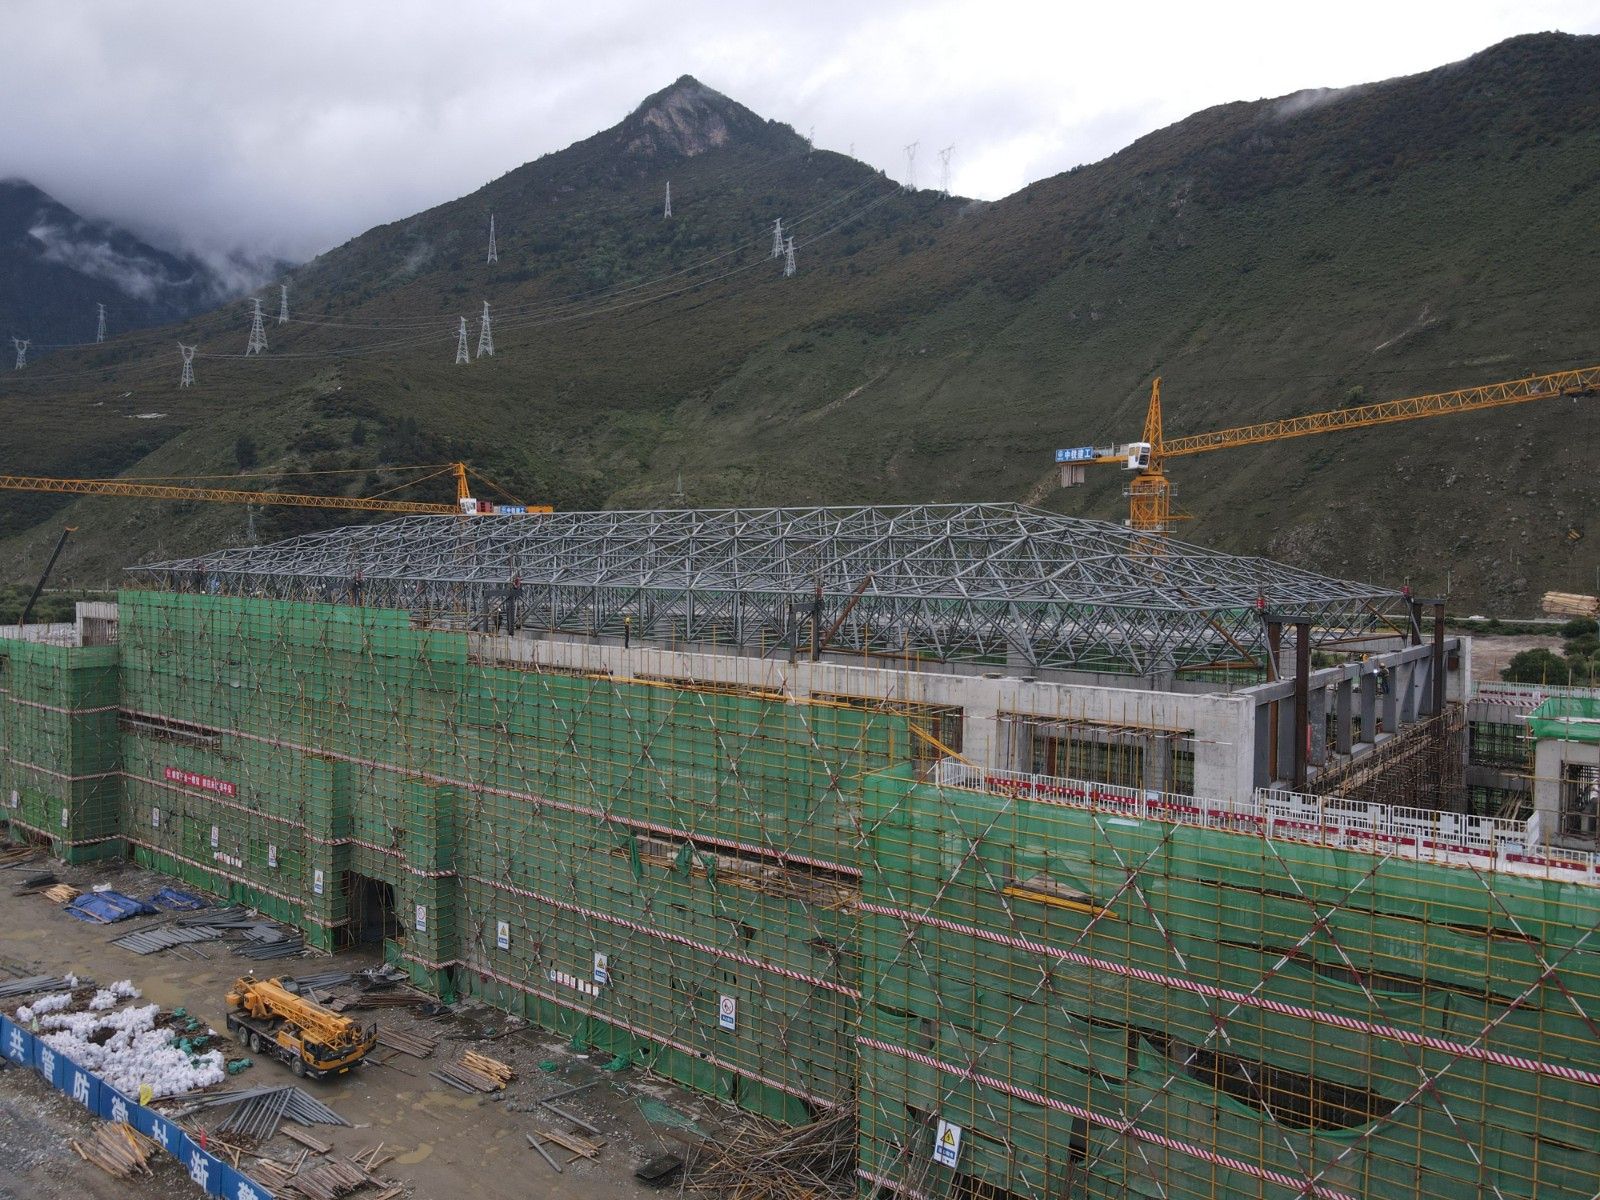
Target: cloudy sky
288, 126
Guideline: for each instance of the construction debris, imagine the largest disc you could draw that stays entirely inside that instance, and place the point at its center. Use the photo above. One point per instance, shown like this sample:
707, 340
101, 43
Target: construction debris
544, 1154
418, 1045
269, 942
12, 988
61, 893
399, 999
660, 1170
164, 937
117, 1148
807, 1162
475, 1073
260, 1110
335, 1177
321, 982
306, 1140
578, 1147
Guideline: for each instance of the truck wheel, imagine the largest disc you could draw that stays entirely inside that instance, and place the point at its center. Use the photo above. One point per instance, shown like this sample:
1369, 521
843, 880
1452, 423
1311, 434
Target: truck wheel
253, 1040
298, 1066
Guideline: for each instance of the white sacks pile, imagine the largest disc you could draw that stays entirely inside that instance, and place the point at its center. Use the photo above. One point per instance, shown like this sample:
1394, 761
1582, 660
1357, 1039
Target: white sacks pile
54, 1002
110, 997
136, 1053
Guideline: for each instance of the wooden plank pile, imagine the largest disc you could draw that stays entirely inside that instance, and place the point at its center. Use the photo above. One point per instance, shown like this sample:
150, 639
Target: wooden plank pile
328, 1178
117, 1148
577, 1147
1571, 604
474, 1072
418, 1045
61, 893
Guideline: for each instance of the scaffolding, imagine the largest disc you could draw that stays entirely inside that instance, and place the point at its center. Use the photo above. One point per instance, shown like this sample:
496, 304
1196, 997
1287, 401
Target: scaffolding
1103, 1007
787, 902
982, 583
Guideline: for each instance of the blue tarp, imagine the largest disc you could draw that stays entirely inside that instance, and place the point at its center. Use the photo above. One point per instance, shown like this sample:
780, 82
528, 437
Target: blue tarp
103, 908
174, 900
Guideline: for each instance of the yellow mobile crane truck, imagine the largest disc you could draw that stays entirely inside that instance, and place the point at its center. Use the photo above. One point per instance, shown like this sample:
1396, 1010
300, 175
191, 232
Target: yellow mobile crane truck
316, 1042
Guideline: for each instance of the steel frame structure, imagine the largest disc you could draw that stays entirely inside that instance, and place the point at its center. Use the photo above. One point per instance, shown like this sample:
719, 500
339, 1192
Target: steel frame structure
999, 584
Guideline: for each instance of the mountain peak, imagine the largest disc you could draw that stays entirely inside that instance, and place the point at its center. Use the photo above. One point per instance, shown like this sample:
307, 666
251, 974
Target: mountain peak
688, 118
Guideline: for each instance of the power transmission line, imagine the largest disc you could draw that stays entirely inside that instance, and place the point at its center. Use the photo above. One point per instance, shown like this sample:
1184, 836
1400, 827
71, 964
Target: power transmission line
494, 253
100, 323
283, 304
944, 168
667, 211
788, 258
777, 238
911, 166
461, 344
187, 378
22, 352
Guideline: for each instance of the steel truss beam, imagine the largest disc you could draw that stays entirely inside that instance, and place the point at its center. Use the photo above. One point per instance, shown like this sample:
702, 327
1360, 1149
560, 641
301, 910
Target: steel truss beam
988, 583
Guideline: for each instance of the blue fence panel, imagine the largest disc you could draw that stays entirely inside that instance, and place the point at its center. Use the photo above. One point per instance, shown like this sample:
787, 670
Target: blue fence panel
204, 1169
164, 1133
16, 1042
100, 1098
83, 1086
114, 1106
50, 1065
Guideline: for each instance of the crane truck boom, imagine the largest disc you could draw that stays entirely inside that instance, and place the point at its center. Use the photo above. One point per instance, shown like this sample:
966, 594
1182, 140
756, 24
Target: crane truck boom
316, 1042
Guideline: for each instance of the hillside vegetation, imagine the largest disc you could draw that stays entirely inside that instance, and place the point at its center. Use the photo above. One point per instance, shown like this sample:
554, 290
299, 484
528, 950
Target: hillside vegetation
1264, 258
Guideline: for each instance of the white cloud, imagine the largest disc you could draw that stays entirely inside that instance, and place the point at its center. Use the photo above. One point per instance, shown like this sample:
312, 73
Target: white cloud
288, 128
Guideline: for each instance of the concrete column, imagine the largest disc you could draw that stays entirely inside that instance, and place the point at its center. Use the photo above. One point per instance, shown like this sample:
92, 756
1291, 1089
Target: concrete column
1342, 717
983, 740
1317, 717
1369, 707
1263, 745
1158, 763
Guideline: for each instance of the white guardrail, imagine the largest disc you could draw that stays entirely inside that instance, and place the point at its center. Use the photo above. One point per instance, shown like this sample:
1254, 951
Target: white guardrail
1527, 695
1453, 838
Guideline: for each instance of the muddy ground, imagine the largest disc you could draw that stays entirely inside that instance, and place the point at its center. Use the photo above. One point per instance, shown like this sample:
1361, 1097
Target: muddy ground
1492, 654
447, 1145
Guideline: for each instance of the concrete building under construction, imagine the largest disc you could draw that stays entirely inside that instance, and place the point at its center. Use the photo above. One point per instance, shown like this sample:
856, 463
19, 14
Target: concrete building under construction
1076, 864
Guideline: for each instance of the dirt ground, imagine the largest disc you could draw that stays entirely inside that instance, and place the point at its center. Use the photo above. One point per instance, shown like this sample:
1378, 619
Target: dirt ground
446, 1144
1491, 654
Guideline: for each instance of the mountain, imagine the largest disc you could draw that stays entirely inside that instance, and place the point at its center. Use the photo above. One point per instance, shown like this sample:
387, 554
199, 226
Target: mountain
1265, 258
55, 266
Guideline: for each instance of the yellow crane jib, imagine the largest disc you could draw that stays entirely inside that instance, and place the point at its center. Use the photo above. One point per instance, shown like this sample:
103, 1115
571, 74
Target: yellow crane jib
1150, 491
465, 504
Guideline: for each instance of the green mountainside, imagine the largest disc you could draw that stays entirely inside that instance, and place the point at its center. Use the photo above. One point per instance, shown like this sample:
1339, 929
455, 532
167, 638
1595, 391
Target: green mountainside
1264, 258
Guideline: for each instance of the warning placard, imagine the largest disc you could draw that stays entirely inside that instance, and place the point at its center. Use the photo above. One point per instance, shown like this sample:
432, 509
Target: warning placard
728, 1013
947, 1144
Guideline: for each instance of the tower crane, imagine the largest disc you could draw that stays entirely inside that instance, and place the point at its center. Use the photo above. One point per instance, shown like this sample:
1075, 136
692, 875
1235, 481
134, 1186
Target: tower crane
1150, 491
465, 504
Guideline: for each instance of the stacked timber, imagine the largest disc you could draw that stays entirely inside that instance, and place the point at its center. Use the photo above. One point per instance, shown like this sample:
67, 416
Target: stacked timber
475, 1073
117, 1148
1571, 604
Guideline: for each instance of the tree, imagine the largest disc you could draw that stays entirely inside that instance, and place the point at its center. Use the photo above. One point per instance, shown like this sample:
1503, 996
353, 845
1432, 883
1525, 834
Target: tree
1536, 666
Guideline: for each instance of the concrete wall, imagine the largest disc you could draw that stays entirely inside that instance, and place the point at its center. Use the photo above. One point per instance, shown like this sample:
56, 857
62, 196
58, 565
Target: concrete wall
1222, 726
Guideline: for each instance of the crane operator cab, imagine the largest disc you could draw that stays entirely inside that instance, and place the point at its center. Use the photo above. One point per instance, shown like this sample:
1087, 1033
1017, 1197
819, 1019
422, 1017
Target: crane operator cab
1139, 455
